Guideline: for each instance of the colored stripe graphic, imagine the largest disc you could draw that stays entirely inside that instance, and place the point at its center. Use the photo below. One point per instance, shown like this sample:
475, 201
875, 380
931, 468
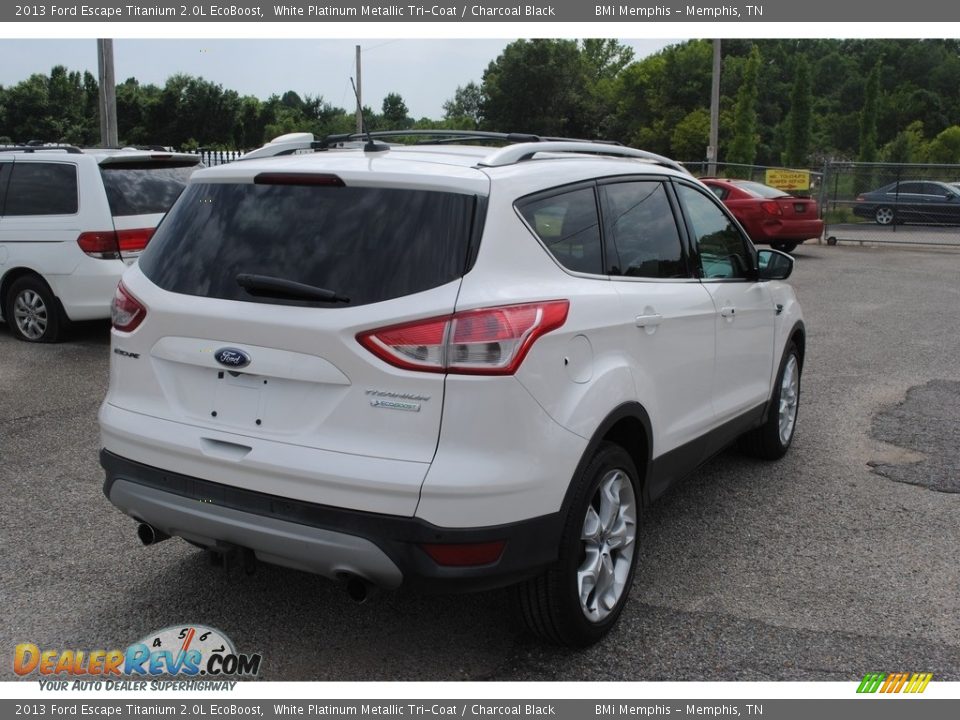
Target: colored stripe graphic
870, 683
918, 683
894, 682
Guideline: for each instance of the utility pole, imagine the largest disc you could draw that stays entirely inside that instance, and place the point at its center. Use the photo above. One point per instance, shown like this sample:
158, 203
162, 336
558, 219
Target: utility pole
108, 95
359, 91
714, 112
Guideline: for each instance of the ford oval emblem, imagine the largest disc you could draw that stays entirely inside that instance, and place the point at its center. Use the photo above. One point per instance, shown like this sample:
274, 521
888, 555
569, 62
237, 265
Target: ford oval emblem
232, 357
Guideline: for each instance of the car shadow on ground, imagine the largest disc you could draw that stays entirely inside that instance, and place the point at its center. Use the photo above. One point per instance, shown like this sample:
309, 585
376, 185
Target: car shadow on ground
88, 332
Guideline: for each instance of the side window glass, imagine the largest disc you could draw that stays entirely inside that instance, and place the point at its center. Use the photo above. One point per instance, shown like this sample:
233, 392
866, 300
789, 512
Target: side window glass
722, 249
911, 188
42, 189
644, 240
4, 176
568, 225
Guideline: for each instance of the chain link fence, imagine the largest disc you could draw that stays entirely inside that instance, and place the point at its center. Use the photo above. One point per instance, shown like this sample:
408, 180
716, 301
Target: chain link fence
906, 203
915, 204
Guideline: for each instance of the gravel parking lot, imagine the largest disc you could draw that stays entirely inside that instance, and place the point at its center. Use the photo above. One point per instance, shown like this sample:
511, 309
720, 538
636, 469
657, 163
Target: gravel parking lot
838, 560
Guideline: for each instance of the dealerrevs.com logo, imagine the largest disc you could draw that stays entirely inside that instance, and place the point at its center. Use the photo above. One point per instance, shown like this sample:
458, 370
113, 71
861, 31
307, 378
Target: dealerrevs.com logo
182, 651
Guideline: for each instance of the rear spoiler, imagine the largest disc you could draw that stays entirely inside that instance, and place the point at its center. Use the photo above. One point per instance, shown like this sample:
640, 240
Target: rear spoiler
146, 158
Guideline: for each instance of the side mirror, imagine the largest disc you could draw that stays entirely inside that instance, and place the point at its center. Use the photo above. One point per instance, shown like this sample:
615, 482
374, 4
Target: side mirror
774, 265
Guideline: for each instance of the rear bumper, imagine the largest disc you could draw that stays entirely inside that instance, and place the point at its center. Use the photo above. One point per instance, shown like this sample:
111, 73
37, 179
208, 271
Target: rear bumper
329, 541
787, 231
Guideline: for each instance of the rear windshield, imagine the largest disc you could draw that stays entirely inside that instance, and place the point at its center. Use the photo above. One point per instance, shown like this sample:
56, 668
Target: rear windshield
761, 191
144, 189
367, 244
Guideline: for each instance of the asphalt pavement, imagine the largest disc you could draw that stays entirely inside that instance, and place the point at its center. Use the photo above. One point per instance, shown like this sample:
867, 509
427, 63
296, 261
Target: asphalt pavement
833, 562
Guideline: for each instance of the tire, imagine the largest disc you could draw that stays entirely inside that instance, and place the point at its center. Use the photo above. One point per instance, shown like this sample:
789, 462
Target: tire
771, 440
783, 246
32, 312
597, 549
884, 215
831, 241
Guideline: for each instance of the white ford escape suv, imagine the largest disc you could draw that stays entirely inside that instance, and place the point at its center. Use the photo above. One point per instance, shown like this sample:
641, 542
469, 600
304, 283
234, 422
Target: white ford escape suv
71, 221
443, 366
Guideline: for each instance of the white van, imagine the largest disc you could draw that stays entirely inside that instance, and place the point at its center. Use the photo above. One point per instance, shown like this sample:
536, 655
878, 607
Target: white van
71, 221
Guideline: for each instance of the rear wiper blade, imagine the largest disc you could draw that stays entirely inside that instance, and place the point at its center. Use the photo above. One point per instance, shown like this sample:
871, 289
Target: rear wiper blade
267, 286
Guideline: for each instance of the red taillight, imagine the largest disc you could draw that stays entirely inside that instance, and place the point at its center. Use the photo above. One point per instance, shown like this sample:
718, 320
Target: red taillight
489, 341
131, 241
100, 244
127, 312
110, 245
465, 554
771, 207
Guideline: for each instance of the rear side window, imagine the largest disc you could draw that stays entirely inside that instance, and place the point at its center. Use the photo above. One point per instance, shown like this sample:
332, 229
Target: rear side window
642, 230
567, 224
368, 244
144, 189
42, 189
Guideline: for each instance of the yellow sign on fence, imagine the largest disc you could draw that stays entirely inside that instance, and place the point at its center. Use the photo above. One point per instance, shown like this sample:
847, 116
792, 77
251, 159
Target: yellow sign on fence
788, 179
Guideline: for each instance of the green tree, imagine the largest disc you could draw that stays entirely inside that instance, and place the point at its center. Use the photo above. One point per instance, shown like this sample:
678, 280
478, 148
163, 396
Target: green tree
907, 147
868, 117
743, 147
466, 104
536, 86
691, 135
395, 113
945, 147
799, 118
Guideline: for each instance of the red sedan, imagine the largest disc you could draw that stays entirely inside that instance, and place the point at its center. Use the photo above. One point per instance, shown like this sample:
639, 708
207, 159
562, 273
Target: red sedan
770, 216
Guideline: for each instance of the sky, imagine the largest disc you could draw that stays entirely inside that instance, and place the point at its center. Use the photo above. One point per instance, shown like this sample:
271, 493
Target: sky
425, 72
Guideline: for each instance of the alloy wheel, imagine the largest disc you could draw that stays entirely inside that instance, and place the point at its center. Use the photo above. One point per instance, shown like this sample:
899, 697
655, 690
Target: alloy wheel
789, 399
608, 537
30, 314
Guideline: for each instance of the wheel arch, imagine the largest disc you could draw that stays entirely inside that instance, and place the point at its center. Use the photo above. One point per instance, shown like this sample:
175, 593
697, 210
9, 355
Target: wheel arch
798, 336
628, 426
14, 274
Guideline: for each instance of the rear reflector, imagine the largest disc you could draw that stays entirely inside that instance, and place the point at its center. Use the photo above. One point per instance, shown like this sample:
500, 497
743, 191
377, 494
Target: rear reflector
126, 312
297, 179
489, 341
465, 554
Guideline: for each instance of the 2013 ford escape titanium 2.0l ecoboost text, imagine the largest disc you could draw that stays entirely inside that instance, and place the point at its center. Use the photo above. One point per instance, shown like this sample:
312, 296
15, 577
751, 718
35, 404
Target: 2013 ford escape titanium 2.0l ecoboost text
443, 366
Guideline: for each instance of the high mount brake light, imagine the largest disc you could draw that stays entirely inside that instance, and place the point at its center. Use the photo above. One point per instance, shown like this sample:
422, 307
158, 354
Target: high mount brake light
487, 341
126, 312
271, 178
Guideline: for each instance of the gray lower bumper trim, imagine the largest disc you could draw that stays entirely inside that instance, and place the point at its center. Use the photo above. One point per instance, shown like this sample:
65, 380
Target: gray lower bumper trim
279, 542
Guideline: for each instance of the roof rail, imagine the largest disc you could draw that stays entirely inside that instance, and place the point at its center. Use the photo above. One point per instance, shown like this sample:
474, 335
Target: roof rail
286, 145
446, 136
517, 153
28, 148
523, 146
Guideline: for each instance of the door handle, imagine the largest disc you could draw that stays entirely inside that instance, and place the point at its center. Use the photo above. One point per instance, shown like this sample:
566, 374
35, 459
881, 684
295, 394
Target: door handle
728, 311
649, 320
